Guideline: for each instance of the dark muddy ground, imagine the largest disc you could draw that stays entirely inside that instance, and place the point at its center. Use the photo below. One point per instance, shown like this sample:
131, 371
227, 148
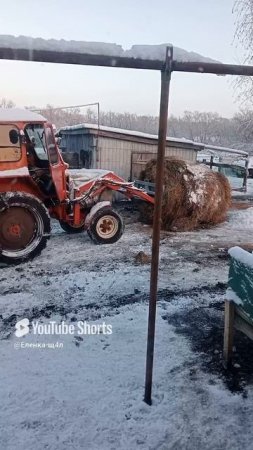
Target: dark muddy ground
203, 326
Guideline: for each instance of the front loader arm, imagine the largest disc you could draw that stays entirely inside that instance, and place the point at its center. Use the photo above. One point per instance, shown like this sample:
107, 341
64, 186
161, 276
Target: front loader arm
125, 188
130, 191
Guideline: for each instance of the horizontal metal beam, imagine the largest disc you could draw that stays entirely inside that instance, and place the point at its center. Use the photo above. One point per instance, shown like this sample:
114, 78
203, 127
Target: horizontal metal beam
80, 59
58, 57
212, 68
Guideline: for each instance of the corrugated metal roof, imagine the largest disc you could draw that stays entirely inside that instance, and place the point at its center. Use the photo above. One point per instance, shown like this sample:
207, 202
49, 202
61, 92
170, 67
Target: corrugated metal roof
120, 131
93, 128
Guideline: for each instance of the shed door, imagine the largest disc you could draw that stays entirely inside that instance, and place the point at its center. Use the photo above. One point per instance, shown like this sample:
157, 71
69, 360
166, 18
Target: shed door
138, 163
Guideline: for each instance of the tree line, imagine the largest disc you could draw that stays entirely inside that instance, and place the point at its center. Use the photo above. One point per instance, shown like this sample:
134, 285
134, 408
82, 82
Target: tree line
206, 127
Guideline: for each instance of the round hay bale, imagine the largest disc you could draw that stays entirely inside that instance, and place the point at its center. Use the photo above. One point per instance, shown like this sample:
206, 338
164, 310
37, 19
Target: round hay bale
193, 197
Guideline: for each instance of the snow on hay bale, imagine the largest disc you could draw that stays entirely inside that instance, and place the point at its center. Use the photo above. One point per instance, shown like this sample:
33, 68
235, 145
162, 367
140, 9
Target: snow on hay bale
193, 196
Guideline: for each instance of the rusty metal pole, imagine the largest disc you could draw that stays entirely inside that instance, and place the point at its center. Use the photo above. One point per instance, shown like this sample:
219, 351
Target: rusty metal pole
245, 179
163, 120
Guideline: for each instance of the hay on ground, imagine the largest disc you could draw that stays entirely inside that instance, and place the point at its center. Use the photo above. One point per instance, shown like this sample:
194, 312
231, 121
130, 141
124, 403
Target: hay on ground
193, 197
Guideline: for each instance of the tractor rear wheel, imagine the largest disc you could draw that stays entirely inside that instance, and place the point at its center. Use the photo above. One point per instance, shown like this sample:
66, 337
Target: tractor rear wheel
24, 227
106, 226
71, 229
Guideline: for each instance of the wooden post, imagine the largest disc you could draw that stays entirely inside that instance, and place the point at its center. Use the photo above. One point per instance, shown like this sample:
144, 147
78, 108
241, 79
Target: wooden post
228, 332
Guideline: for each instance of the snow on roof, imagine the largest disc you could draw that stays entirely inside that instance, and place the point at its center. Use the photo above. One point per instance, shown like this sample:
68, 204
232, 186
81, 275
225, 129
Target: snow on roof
20, 115
92, 126
150, 52
213, 149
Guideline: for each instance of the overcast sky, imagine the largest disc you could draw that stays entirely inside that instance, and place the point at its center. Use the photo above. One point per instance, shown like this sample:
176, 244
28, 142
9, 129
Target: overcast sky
203, 26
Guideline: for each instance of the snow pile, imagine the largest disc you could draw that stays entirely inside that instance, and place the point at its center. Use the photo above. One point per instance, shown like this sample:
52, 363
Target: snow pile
145, 52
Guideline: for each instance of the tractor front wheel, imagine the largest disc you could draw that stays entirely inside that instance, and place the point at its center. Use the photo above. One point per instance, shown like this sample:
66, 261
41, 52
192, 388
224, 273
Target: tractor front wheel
24, 227
106, 226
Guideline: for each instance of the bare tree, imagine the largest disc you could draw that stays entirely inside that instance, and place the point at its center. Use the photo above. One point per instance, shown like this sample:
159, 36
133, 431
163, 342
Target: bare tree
5, 103
206, 127
244, 125
243, 10
61, 117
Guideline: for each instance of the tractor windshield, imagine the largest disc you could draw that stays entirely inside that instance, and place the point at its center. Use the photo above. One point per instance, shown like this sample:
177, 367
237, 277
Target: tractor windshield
35, 136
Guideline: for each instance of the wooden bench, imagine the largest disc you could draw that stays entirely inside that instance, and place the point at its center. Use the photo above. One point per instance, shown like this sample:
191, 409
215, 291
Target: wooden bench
239, 299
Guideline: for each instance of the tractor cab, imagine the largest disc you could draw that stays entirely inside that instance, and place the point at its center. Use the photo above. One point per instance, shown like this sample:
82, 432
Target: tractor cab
28, 148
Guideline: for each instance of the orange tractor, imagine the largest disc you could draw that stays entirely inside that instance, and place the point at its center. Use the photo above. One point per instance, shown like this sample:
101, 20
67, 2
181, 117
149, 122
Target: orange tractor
35, 185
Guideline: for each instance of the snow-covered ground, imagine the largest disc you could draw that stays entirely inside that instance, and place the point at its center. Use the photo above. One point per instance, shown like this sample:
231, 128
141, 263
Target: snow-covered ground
89, 393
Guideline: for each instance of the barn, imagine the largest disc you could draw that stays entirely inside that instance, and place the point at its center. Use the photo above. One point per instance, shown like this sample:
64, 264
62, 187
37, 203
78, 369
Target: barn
123, 151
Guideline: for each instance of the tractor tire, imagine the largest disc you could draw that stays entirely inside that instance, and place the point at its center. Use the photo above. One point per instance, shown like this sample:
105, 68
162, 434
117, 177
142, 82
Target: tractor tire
106, 226
24, 227
71, 229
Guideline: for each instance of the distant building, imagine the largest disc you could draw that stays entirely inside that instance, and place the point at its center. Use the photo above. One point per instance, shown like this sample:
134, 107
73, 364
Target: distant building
126, 152
233, 163
250, 166
123, 151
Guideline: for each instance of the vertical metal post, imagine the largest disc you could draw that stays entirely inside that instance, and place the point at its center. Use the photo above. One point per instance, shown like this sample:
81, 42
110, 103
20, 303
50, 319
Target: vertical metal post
245, 178
228, 332
163, 122
98, 163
